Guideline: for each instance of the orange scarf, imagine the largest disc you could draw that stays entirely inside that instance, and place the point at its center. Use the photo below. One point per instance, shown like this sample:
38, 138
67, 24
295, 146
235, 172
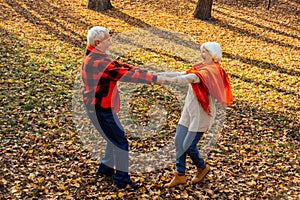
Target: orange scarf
214, 81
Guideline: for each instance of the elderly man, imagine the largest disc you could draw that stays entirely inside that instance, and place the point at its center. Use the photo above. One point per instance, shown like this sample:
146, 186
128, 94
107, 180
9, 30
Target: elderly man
100, 74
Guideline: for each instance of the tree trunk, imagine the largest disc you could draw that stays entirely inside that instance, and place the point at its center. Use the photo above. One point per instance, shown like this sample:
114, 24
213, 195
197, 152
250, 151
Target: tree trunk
203, 9
99, 5
269, 4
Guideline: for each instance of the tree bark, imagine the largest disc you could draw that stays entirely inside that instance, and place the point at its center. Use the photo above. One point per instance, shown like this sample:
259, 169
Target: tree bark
269, 4
99, 5
203, 9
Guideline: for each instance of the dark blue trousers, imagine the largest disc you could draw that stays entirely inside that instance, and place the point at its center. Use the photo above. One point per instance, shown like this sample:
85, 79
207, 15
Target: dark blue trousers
116, 153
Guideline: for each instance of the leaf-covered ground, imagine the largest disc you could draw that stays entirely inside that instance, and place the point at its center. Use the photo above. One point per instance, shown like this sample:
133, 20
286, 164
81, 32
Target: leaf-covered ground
42, 43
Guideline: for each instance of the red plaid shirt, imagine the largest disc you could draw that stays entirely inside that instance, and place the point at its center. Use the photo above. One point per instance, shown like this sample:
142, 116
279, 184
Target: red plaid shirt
100, 74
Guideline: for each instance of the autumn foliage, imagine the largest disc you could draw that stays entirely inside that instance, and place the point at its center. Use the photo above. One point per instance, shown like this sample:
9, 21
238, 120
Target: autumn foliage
42, 43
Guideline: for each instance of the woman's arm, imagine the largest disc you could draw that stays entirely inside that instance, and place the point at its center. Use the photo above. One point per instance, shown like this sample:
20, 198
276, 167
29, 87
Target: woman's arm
170, 74
188, 78
180, 79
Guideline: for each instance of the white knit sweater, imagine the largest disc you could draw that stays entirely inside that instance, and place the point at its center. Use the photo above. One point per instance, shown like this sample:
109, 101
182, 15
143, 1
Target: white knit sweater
193, 116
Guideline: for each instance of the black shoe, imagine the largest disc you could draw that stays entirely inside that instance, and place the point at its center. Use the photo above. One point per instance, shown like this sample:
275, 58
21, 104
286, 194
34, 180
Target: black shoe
131, 185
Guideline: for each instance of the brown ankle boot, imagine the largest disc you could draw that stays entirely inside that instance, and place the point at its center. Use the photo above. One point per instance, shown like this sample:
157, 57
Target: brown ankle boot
201, 173
177, 180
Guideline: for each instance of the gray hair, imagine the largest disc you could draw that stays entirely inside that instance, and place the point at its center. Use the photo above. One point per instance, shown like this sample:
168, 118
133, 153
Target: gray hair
214, 49
96, 33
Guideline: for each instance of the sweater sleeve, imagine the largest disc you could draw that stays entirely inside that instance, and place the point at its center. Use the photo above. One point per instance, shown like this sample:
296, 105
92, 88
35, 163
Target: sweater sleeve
187, 78
180, 78
170, 74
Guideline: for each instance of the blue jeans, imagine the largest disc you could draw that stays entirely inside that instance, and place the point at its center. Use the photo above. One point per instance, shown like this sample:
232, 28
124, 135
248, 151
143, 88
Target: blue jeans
116, 152
186, 144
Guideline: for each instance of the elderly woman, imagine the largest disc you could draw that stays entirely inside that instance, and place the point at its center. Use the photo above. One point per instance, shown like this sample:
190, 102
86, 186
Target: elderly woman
208, 82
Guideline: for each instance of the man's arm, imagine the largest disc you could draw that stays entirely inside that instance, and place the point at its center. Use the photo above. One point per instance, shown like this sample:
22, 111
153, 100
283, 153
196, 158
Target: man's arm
119, 71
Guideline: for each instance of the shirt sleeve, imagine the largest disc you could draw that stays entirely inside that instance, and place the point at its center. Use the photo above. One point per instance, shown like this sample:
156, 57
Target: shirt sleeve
119, 71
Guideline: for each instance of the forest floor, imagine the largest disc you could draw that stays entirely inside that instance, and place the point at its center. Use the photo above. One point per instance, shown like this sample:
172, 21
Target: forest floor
44, 154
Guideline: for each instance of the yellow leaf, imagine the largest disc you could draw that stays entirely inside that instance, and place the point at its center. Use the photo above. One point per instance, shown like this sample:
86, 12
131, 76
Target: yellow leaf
77, 180
158, 192
251, 183
142, 179
210, 177
68, 181
134, 143
295, 180
139, 174
40, 179
120, 194
76, 184
61, 187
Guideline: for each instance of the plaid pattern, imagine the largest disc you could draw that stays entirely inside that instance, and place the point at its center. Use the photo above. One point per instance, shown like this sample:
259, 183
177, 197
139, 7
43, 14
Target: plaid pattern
100, 74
